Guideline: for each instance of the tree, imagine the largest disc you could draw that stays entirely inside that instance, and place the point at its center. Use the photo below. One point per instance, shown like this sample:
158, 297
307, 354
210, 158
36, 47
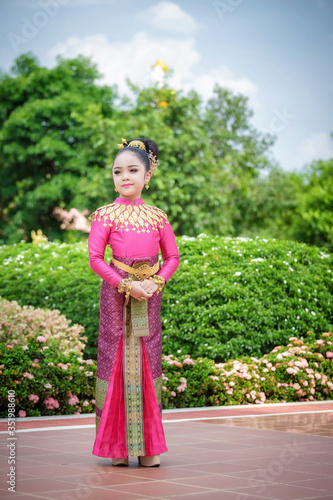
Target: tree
42, 160
59, 134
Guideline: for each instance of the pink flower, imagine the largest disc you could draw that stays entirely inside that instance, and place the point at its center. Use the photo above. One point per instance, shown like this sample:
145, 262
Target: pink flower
164, 388
173, 393
178, 364
214, 377
61, 365
34, 398
22, 413
48, 386
329, 354
28, 375
51, 403
89, 362
73, 400
40, 338
188, 361
85, 403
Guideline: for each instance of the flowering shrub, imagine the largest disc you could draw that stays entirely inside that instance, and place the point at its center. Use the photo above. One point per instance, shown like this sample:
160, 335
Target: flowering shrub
230, 297
21, 323
46, 380
297, 372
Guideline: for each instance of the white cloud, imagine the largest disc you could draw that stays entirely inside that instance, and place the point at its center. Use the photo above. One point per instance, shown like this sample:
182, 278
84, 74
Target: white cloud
204, 84
318, 146
168, 16
134, 59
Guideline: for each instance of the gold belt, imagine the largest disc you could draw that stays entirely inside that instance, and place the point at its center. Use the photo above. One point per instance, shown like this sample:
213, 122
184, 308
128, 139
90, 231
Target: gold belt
141, 272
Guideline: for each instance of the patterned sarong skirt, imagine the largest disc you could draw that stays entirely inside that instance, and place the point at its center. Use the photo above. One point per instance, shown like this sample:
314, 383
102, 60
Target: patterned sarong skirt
129, 372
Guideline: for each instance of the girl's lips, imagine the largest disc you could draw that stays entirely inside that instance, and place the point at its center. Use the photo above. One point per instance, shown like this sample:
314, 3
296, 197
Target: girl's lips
126, 185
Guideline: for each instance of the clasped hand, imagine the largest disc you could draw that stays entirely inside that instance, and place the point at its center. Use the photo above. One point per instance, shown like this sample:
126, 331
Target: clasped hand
143, 290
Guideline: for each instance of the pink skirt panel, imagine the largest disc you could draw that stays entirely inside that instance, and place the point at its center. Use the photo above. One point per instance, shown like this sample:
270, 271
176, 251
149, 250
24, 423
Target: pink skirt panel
111, 436
152, 422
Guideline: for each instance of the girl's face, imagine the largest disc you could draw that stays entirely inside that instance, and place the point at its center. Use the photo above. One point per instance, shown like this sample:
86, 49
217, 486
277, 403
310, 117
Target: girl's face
129, 176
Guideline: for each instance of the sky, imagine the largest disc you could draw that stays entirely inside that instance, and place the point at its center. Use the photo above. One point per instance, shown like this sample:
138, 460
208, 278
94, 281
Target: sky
276, 52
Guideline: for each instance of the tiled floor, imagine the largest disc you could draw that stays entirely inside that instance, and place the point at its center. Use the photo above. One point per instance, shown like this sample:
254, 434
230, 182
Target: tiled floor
284, 453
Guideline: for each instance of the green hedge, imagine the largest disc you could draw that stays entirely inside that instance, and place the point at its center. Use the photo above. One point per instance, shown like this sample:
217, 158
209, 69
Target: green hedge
49, 382
229, 296
46, 381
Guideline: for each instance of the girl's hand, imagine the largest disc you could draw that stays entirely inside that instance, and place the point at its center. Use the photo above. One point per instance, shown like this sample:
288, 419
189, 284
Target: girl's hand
137, 291
149, 285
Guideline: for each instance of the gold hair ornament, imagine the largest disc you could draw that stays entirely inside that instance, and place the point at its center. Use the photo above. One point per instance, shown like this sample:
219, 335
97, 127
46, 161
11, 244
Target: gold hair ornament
154, 163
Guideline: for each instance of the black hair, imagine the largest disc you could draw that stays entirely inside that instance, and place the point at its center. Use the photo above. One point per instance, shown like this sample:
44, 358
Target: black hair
140, 153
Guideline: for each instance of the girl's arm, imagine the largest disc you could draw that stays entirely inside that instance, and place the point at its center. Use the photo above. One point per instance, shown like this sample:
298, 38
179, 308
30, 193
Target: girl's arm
170, 253
97, 242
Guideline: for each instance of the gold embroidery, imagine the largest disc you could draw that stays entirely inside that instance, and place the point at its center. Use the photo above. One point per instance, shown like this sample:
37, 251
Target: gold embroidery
158, 388
141, 218
100, 392
97, 422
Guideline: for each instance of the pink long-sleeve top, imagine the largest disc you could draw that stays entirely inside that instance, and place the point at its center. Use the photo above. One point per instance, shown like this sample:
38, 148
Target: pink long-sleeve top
132, 229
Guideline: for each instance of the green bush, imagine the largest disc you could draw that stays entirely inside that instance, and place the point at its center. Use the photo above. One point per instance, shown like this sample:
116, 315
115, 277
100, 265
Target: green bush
22, 323
229, 297
300, 371
45, 380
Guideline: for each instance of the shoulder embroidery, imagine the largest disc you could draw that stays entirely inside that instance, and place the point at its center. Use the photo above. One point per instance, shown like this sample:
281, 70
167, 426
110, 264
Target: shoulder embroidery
140, 218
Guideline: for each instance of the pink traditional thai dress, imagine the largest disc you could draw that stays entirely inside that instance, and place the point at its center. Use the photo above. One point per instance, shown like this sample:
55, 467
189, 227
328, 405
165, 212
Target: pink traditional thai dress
129, 367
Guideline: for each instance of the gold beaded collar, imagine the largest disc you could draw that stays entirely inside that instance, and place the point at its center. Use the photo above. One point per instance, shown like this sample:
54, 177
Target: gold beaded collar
141, 218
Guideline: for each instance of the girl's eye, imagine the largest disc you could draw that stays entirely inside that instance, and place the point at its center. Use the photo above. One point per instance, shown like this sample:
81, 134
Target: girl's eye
132, 170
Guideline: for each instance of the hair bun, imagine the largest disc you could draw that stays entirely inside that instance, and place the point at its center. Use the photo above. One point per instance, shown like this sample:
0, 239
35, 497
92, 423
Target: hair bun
150, 145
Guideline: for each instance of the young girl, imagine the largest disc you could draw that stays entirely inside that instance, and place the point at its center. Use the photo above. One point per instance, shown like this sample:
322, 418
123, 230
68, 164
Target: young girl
129, 359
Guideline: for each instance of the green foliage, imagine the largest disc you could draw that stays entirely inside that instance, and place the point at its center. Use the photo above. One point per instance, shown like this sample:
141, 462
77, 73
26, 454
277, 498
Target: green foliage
58, 138
59, 131
47, 382
21, 323
313, 220
229, 296
43, 160
300, 371
44, 371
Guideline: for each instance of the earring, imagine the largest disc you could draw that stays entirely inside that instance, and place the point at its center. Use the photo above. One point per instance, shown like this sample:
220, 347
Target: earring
115, 189
147, 186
